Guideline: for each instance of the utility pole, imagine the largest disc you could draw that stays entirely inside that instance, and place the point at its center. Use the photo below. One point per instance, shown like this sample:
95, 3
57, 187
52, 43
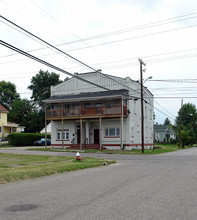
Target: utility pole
142, 103
180, 123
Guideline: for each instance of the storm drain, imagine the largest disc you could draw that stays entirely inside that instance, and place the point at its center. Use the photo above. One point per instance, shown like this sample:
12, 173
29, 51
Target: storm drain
21, 208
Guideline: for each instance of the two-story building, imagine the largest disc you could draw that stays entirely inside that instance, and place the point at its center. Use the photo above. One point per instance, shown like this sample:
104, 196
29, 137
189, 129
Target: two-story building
84, 115
6, 127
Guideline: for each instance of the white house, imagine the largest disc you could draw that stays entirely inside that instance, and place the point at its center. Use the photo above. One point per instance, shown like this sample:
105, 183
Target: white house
48, 129
83, 115
164, 133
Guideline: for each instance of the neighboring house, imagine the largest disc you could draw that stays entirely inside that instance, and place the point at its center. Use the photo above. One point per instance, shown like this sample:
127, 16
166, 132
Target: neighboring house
163, 132
84, 115
21, 129
6, 127
48, 129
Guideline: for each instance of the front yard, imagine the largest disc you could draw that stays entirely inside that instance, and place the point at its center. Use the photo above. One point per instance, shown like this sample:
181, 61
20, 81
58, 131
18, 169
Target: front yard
16, 167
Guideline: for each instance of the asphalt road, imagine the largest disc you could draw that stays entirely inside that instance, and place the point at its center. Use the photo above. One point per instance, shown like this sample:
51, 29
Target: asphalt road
137, 187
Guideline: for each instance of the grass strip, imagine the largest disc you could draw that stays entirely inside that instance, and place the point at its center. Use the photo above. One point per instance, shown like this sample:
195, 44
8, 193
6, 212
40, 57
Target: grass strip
159, 149
16, 167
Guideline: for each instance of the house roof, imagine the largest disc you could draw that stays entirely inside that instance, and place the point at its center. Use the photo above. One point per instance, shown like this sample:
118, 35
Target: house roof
163, 128
2, 109
87, 96
160, 128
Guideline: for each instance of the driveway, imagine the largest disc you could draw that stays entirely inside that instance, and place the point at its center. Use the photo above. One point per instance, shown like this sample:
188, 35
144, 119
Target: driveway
137, 187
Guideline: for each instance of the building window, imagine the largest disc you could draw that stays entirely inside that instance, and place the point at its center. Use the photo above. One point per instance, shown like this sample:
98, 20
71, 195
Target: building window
0, 129
14, 129
112, 132
58, 135
87, 105
134, 107
151, 134
108, 106
106, 132
138, 128
63, 135
117, 131
132, 132
151, 114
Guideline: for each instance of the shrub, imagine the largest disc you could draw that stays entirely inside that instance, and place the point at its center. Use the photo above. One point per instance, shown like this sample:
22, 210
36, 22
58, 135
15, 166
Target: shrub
24, 139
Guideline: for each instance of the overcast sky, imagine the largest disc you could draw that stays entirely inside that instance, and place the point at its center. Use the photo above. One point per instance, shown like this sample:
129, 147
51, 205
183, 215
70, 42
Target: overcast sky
110, 35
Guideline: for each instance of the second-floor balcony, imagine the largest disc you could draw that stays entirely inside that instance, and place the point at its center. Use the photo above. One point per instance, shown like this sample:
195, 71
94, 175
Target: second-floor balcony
102, 104
85, 112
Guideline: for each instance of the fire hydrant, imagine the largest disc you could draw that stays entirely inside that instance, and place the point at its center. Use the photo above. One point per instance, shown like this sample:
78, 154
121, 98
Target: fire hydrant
78, 157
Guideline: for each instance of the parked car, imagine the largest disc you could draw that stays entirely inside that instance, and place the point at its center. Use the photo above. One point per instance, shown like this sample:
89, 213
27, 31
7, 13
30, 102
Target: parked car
42, 142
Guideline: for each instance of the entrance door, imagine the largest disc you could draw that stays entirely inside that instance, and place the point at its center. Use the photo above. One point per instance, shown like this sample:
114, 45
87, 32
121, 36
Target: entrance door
78, 136
96, 136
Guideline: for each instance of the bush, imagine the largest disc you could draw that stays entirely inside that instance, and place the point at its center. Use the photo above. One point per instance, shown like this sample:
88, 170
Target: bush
173, 141
24, 139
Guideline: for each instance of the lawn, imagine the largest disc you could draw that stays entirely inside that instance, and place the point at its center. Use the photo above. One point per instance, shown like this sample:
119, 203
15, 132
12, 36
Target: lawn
159, 148
15, 167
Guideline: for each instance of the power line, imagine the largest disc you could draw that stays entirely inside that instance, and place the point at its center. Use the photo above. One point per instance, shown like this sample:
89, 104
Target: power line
46, 43
54, 67
56, 48
60, 50
48, 64
164, 109
164, 113
175, 97
175, 80
112, 33
33, 21
161, 111
53, 18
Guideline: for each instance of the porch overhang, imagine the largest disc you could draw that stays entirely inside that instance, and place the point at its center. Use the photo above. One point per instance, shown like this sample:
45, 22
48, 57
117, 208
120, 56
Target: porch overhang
90, 96
10, 125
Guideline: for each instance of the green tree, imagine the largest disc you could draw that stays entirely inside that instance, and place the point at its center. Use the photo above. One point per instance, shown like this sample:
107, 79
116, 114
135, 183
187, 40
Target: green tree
40, 86
8, 94
167, 122
25, 113
20, 112
188, 124
189, 115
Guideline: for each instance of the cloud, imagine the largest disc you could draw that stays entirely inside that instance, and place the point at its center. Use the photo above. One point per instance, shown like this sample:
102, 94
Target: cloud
144, 5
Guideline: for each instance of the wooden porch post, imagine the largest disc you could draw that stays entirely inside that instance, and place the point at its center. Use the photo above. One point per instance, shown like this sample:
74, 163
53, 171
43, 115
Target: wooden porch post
45, 127
62, 126
121, 126
81, 133
100, 133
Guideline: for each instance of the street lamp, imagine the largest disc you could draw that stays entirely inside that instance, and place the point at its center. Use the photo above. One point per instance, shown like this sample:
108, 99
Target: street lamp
150, 77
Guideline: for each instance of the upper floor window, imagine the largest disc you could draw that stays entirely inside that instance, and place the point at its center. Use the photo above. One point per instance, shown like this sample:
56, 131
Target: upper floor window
135, 107
132, 132
146, 112
151, 114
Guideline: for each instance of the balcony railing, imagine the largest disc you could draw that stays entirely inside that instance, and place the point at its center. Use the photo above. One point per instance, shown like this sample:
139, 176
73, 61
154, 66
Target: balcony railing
86, 112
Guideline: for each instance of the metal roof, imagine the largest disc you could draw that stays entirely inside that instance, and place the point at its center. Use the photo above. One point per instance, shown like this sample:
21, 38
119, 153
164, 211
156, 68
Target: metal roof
87, 96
